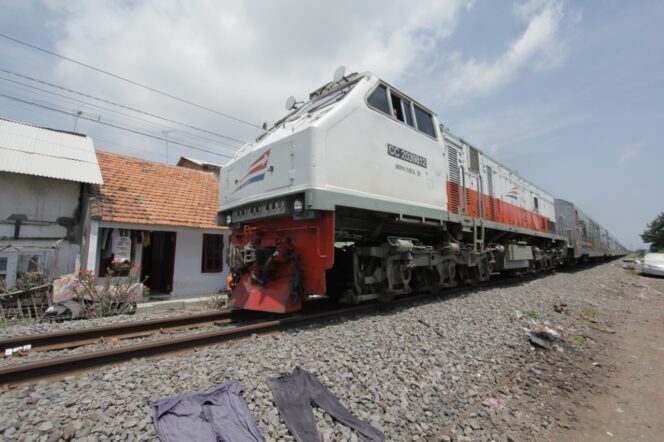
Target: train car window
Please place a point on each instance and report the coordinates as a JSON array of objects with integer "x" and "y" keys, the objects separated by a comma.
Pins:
[
  {"x": 397, "y": 110},
  {"x": 408, "y": 113},
  {"x": 378, "y": 100},
  {"x": 474, "y": 160},
  {"x": 536, "y": 203},
  {"x": 424, "y": 122}
]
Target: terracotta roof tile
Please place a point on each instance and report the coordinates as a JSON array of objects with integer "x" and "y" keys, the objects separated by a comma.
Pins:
[{"x": 142, "y": 192}]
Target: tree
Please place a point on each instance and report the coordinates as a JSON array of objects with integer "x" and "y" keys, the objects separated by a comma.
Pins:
[{"x": 654, "y": 234}]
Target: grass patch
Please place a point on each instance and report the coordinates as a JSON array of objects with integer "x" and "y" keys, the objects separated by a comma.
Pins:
[
  {"x": 589, "y": 311},
  {"x": 533, "y": 314},
  {"x": 4, "y": 322},
  {"x": 581, "y": 341},
  {"x": 217, "y": 301},
  {"x": 632, "y": 271}
]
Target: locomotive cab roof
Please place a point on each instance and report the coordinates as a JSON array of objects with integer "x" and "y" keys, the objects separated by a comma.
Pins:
[{"x": 334, "y": 86}]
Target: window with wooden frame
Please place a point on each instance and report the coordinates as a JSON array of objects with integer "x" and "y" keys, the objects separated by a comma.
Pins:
[{"x": 213, "y": 253}]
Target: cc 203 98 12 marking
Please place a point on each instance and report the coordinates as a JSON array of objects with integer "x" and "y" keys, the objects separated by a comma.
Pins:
[{"x": 405, "y": 155}]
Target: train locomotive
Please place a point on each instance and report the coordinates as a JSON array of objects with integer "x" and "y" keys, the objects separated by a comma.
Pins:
[{"x": 359, "y": 194}]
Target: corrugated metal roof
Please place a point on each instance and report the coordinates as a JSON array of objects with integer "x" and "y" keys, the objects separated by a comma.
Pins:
[{"x": 47, "y": 152}]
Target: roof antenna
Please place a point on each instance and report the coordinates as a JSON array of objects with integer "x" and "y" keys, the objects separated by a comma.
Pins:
[{"x": 339, "y": 74}]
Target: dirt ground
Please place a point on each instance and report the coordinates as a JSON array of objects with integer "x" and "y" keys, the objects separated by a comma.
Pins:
[
  {"x": 631, "y": 406},
  {"x": 602, "y": 379}
]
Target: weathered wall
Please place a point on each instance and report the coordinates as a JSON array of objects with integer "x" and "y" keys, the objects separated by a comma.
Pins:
[
  {"x": 50, "y": 229},
  {"x": 43, "y": 201},
  {"x": 188, "y": 280}
]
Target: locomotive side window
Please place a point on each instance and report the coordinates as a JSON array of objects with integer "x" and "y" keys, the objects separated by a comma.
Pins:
[
  {"x": 401, "y": 109},
  {"x": 397, "y": 108},
  {"x": 536, "y": 203},
  {"x": 408, "y": 113},
  {"x": 424, "y": 122},
  {"x": 378, "y": 100}
]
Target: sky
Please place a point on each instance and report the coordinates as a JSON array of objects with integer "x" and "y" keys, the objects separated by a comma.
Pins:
[{"x": 569, "y": 94}]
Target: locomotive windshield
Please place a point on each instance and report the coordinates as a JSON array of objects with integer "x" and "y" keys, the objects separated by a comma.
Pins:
[{"x": 322, "y": 102}]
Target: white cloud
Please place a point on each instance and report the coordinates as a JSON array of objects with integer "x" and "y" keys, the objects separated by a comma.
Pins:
[
  {"x": 240, "y": 57},
  {"x": 539, "y": 47},
  {"x": 629, "y": 151}
]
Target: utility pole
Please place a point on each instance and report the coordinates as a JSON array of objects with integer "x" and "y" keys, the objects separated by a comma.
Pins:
[
  {"x": 165, "y": 133},
  {"x": 76, "y": 115}
]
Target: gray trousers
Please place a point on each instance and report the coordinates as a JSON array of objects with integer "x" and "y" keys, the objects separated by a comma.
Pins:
[
  {"x": 295, "y": 394},
  {"x": 218, "y": 415}
]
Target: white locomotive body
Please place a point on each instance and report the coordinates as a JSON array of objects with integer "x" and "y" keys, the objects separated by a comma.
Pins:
[{"x": 359, "y": 193}]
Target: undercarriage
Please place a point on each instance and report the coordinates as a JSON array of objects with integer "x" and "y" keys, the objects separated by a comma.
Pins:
[{"x": 355, "y": 256}]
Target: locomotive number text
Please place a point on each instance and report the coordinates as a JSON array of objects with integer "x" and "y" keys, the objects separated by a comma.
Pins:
[{"x": 403, "y": 154}]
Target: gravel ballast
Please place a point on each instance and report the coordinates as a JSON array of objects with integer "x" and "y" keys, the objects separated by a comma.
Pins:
[
  {"x": 411, "y": 372},
  {"x": 34, "y": 327}
]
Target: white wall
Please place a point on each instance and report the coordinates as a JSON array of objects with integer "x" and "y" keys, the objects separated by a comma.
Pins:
[
  {"x": 188, "y": 280},
  {"x": 42, "y": 201},
  {"x": 39, "y": 199}
]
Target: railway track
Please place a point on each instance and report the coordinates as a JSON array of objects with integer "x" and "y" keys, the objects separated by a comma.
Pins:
[
  {"x": 125, "y": 330},
  {"x": 60, "y": 366}
]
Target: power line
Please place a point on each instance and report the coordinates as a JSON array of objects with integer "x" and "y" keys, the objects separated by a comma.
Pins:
[
  {"x": 78, "y": 114},
  {"x": 135, "y": 83},
  {"x": 113, "y": 125},
  {"x": 103, "y": 100},
  {"x": 96, "y": 138},
  {"x": 96, "y": 106}
]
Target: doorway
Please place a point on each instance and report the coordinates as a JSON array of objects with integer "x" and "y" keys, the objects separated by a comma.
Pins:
[{"x": 159, "y": 262}]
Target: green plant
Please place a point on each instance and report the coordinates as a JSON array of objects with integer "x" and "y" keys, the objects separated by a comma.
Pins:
[
  {"x": 116, "y": 295},
  {"x": 10, "y": 322},
  {"x": 589, "y": 311},
  {"x": 581, "y": 341},
  {"x": 533, "y": 314},
  {"x": 217, "y": 301},
  {"x": 654, "y": 234}
]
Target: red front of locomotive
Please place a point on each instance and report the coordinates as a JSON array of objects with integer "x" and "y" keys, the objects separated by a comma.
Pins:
[{"x": 276, "y": 263}]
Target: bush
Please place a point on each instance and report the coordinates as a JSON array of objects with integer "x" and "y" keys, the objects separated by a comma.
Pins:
[{"x": 117, "y": 295}]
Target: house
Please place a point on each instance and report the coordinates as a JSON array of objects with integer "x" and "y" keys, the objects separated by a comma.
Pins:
[
  {"x": 160, "y": 217},
  {"x": 203, "y": 166},
  {"x": 43, "y": 175}
]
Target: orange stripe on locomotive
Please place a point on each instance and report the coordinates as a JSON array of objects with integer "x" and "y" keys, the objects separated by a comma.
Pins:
[{"x": 495, "y": 209}]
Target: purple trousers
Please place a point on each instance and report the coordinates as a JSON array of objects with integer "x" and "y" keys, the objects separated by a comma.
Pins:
[
  {"x": 217, "y": 415},
  {"x": 294, "y": 394}
]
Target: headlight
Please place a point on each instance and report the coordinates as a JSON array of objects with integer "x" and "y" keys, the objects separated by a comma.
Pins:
[
  {"x": 298, "y": 206},
  {"x": 229, "y": 219}
]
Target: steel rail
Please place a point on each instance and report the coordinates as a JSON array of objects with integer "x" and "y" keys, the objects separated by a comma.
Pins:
[
  {"x": 72, "y": 338},
  {"x": 55, "y": 367}
]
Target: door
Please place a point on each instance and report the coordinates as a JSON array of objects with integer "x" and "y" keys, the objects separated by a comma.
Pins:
[{"x": 159, "y": 261}]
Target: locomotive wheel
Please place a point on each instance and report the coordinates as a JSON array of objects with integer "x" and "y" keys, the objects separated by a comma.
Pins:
[{"x": 451, "y": 270}]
